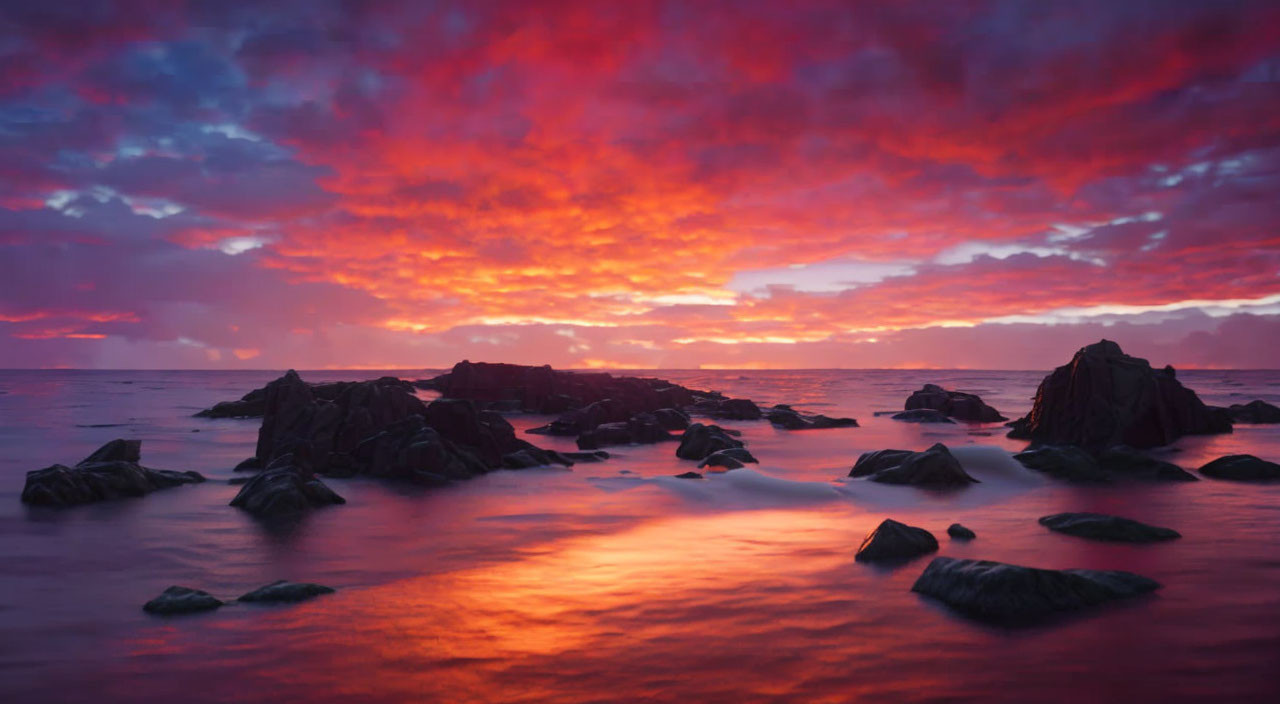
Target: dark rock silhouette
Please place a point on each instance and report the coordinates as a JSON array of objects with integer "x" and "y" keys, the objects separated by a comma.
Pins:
[
  {"x": 282, "y": 591},
  {"x": 700, "y": 441},
  {"x": 1104, "y": 397},
  {"x": 1241, "y": 467},
  {"x": 959, "y": 532},
  {"x": 1065, "y": 462},
  {"x": 689, "y": 475},
  {"x": 1124, "y": 461},
  {"x": 111, "y": 472},
  {"x": 182, "y": 600},
  {"x": 935, "y": 466},
  {"x": 1100, "y": 526},
  {"x": 545, "y": 390},
  {"x": 922, "y": 415},
  {"x": 732, "y": 458},
  {"x": 253, "y": 404},
  {"x": 287, "y": 487},
  {"x": 1254, "y": 412},
  {"x": 893, "y": 541},
  {"x": 956, "y": 404},
  {"x": 640, "y": 429},
  {"x": 1015, "y": 595},
  {"x": 729, "y": 409},
  {"x": 784, "y": 416}
]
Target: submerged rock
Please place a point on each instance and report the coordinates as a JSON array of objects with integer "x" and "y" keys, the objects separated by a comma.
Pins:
[
  {"x": 1123, "y": 461},
  {"x": 1241, "y": 467},
  {"x": 1104, "y": 397},
  {"x": 785, "y": 417},
  {"x": 732, "y": 458},
  {"x": 699, "y": 441},
  {"x": 182, "y": 600},
  {"x": 893, "y": 541},
  {"x": 1100, "y": 526},
  {"x": 286, "y": 487},
  {"x": 283, "y": 591},
  {"x": 1065, "y": 462},
  {"x": 955, "y": 404},
  {"x": 1013, "y": 595},
  {"x": 689, "y": 475},
  {"x": 959, "y": 532},
  {"x": 111, "y": 472},
  {"x": 922, "y": 415},
  {"x": 935, "y": 466},
  {"x": 1254, "y": 412}
]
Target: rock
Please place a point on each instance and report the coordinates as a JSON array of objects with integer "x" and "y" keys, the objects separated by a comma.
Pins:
[
  {"x": 640, "y": 429},
  {"x": 181, "y": 600},
  {"x": 784, "y": 417},
  {"x": 1013, "y": 595},
  {"x": 672, "y": 418},
  {"x": 1065, "y": 462},
  {"x": 589, "y": 456},
  {"x": 1241, "y": 467},
  {"x": 737, "y": 409},
  {"x": 409, "y": 450},
  {"x": 585, "y": 419},
  {"x": 286, "y": 487},
  {"x": 1104, "y": 397},
  {"x": 282, "y": 591},
  {"x": 935, "y": 466},
  {"x": 892, "y": 541},
  {"x": 922, "y": 415},
  {"x": 534, "y": 457},
  {"x": 1254, "y": 412},
  {"x": 1100, "y": 526},
  {"x": 689, "y": 475},
  {"x": 252, "y": 464},
  {"x": 731, "y": 458},
  {"x": 959, "y": 532},
  {"x": 1122, "y": 461},
  {"x": 253, "y": 404},
  {"x": 699, "y": 441},
  {"x": 955, "y": 404},
  {"x": 111, "y": 472}
]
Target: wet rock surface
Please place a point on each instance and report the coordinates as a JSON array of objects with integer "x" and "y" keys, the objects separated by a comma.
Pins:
[
  {"x": 287, "y": 487},
  {"x": 1014, "y": 595},
  {"x": 700, "y": 441},
  {"x": 954, "y": 404},
  {"x": 892, "y": 541},
  {"x": 934, "y": 467},
  {"x": 283, "y": 591},
  {"x": 1254, "y": 412},
  {"x": 784, "y": 416},
  {"x": 922, "y": 415},
  {"x": 111, "y": 472},
  {"x": 182, "y": 600},
  {"x": 1241, "y": 468},
  {"x": 640, "y": 429},
  {"x": 959, "y": 532},
  {"x": 732, "y": 458},
  {"x": 1065, "y": 462},
  {"x": 1122, "y": 461},
  {"x": 1101, "y": 526}
]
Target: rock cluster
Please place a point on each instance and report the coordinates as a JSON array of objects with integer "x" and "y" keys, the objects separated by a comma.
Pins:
[
  {"x": 955, "y": 404},
  {"x": 185, "y": 600},
  {"x": 784, "y": 416},
  {"x": 934, "y": 467},
  {"x": 111, "y": 472},
  {"x": 253, "y": 404}
]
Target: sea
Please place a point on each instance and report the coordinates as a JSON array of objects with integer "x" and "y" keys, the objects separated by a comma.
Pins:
[{"x": 616, "y": 581}]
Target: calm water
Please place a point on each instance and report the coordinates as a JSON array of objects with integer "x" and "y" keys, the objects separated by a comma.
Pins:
[{"x": 614, "y": 581}]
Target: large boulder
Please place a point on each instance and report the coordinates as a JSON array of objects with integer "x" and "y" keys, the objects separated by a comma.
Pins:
[
  {"x": 1101, "y": 526},
  {"x": 287, "y": 487},
  {"x": 1241, "y": 467},
  {"x": 956, "y": 404},
  {"x": 892, "y": 541},
  {"x": 111, "y": 472},
  {"x": 182, "y": 600},
  {"x": 784, "y": 416},
  {"x": 1254, "y": 412},
  {"x": 1065, "y": 462},
  {"x": 1104, "y": 397},
  {"x": 700, "y": 441},
  {"x": 935, "y": 467},
  {"x": 1013, "y": 595}
]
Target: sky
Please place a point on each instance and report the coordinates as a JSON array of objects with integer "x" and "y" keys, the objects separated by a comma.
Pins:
[{"x": 948, "y": 183}]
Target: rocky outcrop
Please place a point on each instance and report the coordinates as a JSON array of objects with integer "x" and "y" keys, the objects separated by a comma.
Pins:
[
  {"x": 1254, "y": 412},
  {"x": 1125, "y": 462},
  {"x": 955, "y": 404},
  {"x": 287, "y": 487},
  {"x": 1015, "y": 595},
  {"x": 922, "y": 415},
  {"x": 935, "y": 467},
  {"x": 784, "y": 416},
  {"x": 640, "y": 429},
  {"x": 1104, "y": 397},
  {"x": 893, "y": 541},
  {"x": 111, "y": 472},
  {"x": 959, "y": 532},
  {"x": 545, "y": 390},
  {"x": 181, "y": 600},
  {"x": 732, "y": 458},
  {"x": 1241, "y": 467},
  {"x": 1065, "y": 462},
  {"x": 1100, "y": 526},
  {"x": 282, "y": 591},
  {"x": 253, "y": 404},
  {"x": 699, "y": 441}
]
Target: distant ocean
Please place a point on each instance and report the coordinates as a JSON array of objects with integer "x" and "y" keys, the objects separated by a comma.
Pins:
[{"x": 616, "y": 581}]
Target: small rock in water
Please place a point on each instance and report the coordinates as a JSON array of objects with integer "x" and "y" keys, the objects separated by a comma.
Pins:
[
  {"x": 700, "y": 441},
  {"x": 689, "y": 475},
  {"x": 732, "y": 458},
  {"x": 1100, "y": 526},
  {"x": 283, "y": 591},
  {"x": 181, "y": 600},
  {"x": 1241, "y": 467},
  {"x": 892, "y": 541},
  {"x": 935, "y": 466},
  {"x": 959, "y": 532},
  {"x": 1017, "y": 595}
]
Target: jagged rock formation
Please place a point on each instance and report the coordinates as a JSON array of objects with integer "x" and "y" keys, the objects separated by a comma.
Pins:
[
  {"x": 935, "y": 466},
  {"x": 287, "y": 487},
  {"x": 253, "y": 404},
  {"x": 111, "y": 472},
  {"x": 1104, "y": 397},
  {"x": 955, "y": 404}
]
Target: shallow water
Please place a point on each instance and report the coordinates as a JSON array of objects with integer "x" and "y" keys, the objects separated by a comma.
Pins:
[{"x": 616, "y": 581}]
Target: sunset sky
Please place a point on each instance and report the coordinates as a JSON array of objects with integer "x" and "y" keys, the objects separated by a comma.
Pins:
[{"x": 596, "y": 184}]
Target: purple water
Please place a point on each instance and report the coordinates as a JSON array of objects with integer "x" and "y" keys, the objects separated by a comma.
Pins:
[{"x": 615, "y": 581}]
